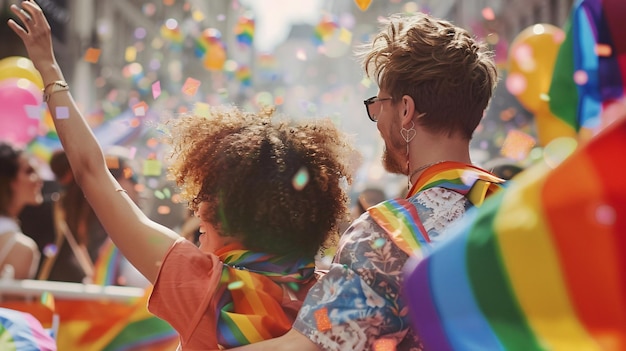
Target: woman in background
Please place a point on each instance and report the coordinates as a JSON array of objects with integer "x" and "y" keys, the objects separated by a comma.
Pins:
[{"x": 20, "y": 185}]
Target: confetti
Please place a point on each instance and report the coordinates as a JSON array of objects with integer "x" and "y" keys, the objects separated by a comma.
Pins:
[
  {"x": 112, "y": 162},
  {"x": 92, "y": 55},
  {"x": 517, "y": 145},
  {"x": 301, "y": 179},
  {"x": 236, "y": 285},
  {"x": 164, "y": 210},
  {"x": 156, "y": 89},
  {"x": 62, "y": 112},
  {"x": 190, "y": 88},
  {"x": 363, "y": 4},
  {"x": 151, "y": 168},
  {"x": 140, "y": 108},
  {"x": 322, "y": 319}
]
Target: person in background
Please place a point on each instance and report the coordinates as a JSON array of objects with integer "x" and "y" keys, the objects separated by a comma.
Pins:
[
  {"x": 267, "y": 193},
  {"x": 367, "y": 198},
  {"x": 435, "y": 82},
  {"x": 82, "y": 247},
  {"x": 20, "y": 185}
]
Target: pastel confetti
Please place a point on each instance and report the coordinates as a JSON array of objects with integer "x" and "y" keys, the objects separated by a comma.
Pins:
[
  {"x": 140, "y": 109},
  {"x": 384, "y": 345},
  {"x": 345, "y": 36},
  {"x": 112, "y": 162},
  {"x": 151, "y": 168},
  {"x": 190, "y": 88},
  {"x": 92, "y": 55},
  {"x": 301, "y": 179},
  {"x": 62, "y": 112},
  {"x": 236, "y": 285},
  {"x": 156, "y": 89}
]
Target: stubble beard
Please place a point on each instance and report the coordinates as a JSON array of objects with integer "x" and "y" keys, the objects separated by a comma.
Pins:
[{"x": 390, "y": 164}]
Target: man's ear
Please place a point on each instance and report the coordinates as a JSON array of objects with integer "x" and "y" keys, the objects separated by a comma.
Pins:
[{"x": 407, "y": 110}]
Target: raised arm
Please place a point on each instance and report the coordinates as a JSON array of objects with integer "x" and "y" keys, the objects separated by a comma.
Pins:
[{"x": 141, "y": 240}]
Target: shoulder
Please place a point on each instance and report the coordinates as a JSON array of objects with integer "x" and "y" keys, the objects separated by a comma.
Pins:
[{"x": 438, "y": 208}]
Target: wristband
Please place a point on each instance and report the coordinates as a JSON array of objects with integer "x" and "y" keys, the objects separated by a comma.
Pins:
[{"x": 54, "y": 87}]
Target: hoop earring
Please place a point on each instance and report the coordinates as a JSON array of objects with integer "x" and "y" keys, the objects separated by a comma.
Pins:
[{"x": 408, "y": 135}]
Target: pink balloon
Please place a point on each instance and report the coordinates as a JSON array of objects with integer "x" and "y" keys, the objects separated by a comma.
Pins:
[{"x": 19, "y": 98}]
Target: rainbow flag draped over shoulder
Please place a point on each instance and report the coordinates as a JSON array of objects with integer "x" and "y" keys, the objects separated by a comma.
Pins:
[
  {"x": 399, "y": 217},
  {"x": 251, "y": 292},
  {"x": 540, "y": 266},
  {"x": 590, "y": 68}
]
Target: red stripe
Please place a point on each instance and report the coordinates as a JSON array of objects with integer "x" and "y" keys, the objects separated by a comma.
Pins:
[{"x": 575, "y": 195}]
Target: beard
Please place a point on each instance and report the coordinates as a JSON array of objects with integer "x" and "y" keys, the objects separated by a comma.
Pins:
[{"x": 392, "y": 165}]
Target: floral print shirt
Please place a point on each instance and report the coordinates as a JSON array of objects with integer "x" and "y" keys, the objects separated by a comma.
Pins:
[{"x": 358, "y": 304}]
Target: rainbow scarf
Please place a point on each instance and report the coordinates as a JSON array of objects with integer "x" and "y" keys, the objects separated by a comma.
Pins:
[
  {"x": 540, "y": 266},
  {"x": 399, "y": 217},
  {"x": 594, "y": 48},
  {"x": 251, "y": 291},
  {"x": 106, "y": 268},
  {"x": 22, "y": 331}
]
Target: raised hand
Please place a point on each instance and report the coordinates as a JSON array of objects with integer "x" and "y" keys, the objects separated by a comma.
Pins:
[{"x": 36, "y": 35}]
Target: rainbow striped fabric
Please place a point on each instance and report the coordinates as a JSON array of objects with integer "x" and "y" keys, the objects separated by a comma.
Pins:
[
  {"x": 399, "y": 217},
  {"x": 21, "y": 331},
  {"x": 590, "y": 68},
  {"x": 540, "y": 266},
  {"x": 249, "y": 307},
  {"x": 106, "y": 268}
]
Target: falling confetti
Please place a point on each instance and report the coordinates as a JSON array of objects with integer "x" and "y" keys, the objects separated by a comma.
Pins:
[
  {"x": 151, "y": 168},
  {"x": 62, "y": 112},
  {"x": 363, "y": 4},
  {"x": 517, "y": 145},
  {"x": 235, "y": 285},
  {"x": 301, "y": 179},
  {"x": 190, "y": 88},
  {"x": 156, "y": 89},
  {"x": 92, "y": 55}
]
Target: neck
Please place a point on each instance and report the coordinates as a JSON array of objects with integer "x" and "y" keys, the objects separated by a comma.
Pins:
[{"x": 434, "y": 149}]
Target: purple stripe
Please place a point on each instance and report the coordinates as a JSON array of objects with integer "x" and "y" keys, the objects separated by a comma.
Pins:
[{"x": 417, "y": 293}]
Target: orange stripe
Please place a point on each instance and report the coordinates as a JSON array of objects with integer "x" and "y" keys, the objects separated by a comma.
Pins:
[{"x": 588, "y": 250}]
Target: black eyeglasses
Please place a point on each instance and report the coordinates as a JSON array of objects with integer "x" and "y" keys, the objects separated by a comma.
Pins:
[{"x": 369, "y": 102}]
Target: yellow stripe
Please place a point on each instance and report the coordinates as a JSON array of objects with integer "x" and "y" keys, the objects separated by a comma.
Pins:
[
  {"x": 534, "y": 270},
  {"x": 248, "y": 329}
]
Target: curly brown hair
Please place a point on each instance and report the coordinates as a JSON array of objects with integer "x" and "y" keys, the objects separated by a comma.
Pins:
[
  {"x": 450, "y": 75},
  {"x": 276, "y": 185}
]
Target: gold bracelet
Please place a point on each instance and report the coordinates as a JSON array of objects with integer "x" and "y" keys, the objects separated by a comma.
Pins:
[{"x": 54, "y": 87}]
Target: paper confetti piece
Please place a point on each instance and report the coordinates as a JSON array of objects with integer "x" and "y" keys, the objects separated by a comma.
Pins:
[
  {"x": 201, "y": 109},
  {"x": 156, "y": 89},
  {"x": 113, "y": 162},
  {"x": 191, "y": 86},
  {"x": 322, "y": 319},
  {"x": 517, "y": 145},
  {"x": 384, "y": 345},
  {"x": 140, "y": 109},
  {"x": 151, "y": 168},
  {"x": 363, "y": 4},
  {"x": 345, "y": 36},
  {"x": 92, "y": 55},
  {"x": 33, "y": 111},
  {"x": 62, "y": 112}
]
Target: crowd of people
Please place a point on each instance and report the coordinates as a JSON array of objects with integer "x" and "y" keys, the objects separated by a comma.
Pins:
[{"x": 266, "y": 193}]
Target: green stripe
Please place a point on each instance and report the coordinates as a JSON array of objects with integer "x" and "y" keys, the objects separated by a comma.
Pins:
[
  {"x": 144, "y": 331},
  {"x": 6, "y": 340},
  {"x": 563, "y": 90},
  {"x": 232, "y": 326},
  {"x": 489, "y": 280}
]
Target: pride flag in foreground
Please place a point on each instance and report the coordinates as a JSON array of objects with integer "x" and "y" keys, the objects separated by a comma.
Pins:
[
  {"x": 540, "y": 266},
  {"x": 21, "y": 331}
]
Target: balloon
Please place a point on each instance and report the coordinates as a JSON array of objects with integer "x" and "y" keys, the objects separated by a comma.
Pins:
[
  {"x": 531, "y": 62},
  {"x": 17, "y": 96},
  {"x": 20, "y": 67},
  {"x": 550, "y": 127}
]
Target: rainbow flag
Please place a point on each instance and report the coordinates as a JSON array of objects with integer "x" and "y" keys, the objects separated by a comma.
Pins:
[
  {"x": 590, "y": 68},
  {"x": 21, "y": 331},
  {"x": 106, "y": 268},
  {"x": 540, "y": 266}
]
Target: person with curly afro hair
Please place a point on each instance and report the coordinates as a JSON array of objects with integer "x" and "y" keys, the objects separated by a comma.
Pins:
[{"x": 268, "y": 192}]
